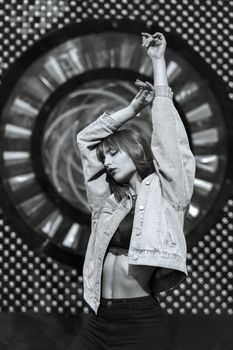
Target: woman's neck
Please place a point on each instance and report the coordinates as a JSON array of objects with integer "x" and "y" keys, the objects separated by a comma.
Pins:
[{"x": 134, "y": 184}]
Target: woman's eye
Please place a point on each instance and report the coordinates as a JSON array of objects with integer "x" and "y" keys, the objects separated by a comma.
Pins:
[{"x": 113, "y": 153}]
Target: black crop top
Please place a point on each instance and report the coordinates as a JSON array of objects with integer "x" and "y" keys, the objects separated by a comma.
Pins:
[{"x": 121, "y": 238}]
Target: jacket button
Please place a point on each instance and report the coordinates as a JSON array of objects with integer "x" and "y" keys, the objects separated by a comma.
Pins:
[
  {"x": 141, "y": 207},
  {"x": 135, "y": 257},
  {"x": 147, "y": 182}
]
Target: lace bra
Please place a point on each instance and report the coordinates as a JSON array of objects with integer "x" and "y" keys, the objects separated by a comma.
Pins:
[{"x": 121, "y": 238}]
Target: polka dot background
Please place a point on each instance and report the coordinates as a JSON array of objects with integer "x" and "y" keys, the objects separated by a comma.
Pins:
[{"x": 29, "y": 282}]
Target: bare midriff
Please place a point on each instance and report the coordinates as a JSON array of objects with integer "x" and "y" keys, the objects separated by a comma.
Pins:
[{"x": 121, "y": 280}]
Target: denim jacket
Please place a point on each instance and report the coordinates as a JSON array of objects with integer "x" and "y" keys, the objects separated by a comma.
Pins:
[{"x": 157, "y": 236}]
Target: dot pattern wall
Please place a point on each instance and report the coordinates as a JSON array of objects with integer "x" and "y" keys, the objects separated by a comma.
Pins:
[
  {"x": 207, "y": 27},
  {"x": 209, "y": 286},
  {"x": 30, "y": 282}
]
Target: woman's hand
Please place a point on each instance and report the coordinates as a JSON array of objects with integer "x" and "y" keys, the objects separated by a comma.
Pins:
[
  {"x": 155, "y": 44},
  {"x": 144, "y": 97}
]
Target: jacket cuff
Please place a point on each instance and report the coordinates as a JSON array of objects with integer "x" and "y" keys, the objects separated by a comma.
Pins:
[
  {"x": 163, "y": 91},
  {"x": 110, "y": 122}
]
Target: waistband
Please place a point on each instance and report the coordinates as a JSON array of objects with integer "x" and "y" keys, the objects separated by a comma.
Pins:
[{"x": 147, "y": 299}]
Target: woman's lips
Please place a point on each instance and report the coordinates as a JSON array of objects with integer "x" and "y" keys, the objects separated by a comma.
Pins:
[{"x": 112, "y": 171}]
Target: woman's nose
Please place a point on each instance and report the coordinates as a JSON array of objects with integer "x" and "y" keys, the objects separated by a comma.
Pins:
[{"x": 107, "y": 160}]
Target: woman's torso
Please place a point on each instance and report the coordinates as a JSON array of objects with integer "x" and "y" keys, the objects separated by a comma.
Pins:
[{"x": 119, "y": 279}]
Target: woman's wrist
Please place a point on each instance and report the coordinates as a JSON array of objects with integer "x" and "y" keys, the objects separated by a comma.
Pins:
[
  {"x": 158, "y": 61},
  {"x": 135, "y": 107},
  {"x": 124, "y": 114},
  {"x": 160, "y": 72}
]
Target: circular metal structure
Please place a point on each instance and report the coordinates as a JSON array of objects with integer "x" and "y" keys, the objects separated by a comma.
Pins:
[{"x": 62, "y": 84}]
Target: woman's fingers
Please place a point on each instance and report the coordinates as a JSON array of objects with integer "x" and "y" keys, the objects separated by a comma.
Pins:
[
  {"x": 149, "y": 99},
  {"x": 140, "y": 84},
  {"x": 157, "y": 35},
  {"x": 146, "y": 91},
  {"x": 160, "y": 37},
  {"x": 144, "y": 37},
  {"x": 139, "y": 81},
  {"x": 145, "y": 96},
  {"x": 144, "y": 85},
  {"x": 141, "y": 93},
  {"x": 150, "y": 85},
  {"x": 155, "y": 39},
  {"x": 151, "y": 42},
  {"x": 145, "y": 34},
  {"x": 148, "y": 41},
  {"x": 142, "y": 89}
]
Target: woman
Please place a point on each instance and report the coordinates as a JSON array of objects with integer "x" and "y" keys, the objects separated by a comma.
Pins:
[{"x": 138, "y": 198}]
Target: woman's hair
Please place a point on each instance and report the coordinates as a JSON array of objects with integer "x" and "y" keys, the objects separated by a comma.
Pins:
[{"x": 131, "y": 142}]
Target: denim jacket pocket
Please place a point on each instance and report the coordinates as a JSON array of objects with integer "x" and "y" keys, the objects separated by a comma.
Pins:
[
  {"x": 170, "y": 240},
  {"x": 106, "y": 211},
  {"x": 173, "y": 228}
]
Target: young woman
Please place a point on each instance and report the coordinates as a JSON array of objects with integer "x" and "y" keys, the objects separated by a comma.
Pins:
[{"x": 138, "y": 197}]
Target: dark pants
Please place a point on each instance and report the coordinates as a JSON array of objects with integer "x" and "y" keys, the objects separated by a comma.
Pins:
[{"x": 125, "y": 324}]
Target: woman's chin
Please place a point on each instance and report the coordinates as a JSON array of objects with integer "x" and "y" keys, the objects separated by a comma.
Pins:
[{"x": 119, "y": 178}]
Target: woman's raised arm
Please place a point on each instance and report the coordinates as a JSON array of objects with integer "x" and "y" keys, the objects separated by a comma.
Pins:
[
  {"x": 174, "y": 161},
  {"x": 88, "y": 139}
]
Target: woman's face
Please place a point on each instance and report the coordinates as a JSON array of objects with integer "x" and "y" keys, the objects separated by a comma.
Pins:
[{"x": 119, "y": 165}]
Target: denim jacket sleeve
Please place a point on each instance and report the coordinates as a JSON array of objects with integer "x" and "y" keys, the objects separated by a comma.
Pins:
[
  {"x": 94, "y": 172},
  {"x": 174, "y": 161}
]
